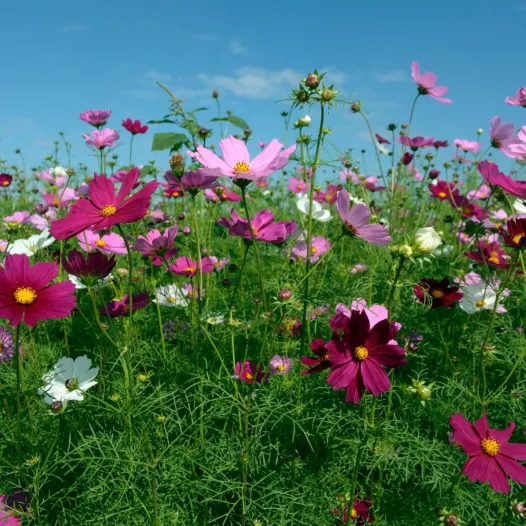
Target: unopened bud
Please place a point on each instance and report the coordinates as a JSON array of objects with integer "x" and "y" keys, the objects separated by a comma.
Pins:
[
  {"x": 57, "y": 406},
  {"x": 215, "y": 94},
  {"x": 356, "y": 106},
  {"x": 284, "y": 294},
  {"x": 312, "y": 80},
  {"x": 328, "y": 94}
]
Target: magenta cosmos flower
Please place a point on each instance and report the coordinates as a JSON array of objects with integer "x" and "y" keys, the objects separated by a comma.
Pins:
[
  {"x": 185, "y": 266},
  {"x": 195, "y": 181},
  {"x": 62, "y": 199},
  {"x": 134, "y": 127},
  {"x": 221, "y": 194},
  {"x": 109, "y": 243},
  {"x": 491, "y": 173},
  {"x": 416, "y": 142},
  {"x": 330, "y": 195},
  {"x": 359, "y": 355},
  {"x": 492, "y": 457},
  {"x": 443, "y": 190},
  {"x": 103, "y": 209},
  {"x": 490, "y": 254},
  {"x": 26, "y": 294},
  {"x": 380, "y": 139},
  {"x": 102, "y": 138},
  {"x": 519, "y": 99},
  {"x": 321, "y": 362},
  {"x": 426, "y": 83},
  {"x": 503, "y": 136},
  {"x": 5, "y": 180},
  {"x": 263, "y": 227},
  {"x": 236, "y": 161},
  {"x": 467, "y": 146},
  {"x": 319, "y": 246},
  {"x": 355, "y": 221},
  {"x": 298, "y": 186},
  {"x": 96, "y": 118},
  {"x": 159, "y": 247},
  {"x": 246, "y": 372},
  {"x": 117, "y": 308}
]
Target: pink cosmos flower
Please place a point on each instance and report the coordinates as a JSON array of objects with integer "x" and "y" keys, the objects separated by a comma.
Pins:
[
  {"x": 280, "y": 364},
  {"x": 298, "y": 186},
  {"x": 355, "y": 221},
  {"x": 41, "y": 222},
  {"x": 102, "y": 138},
  {"x": 134, "y": 127},
  {"x": 519, "y": 99},
  {"x": 426, "y": 83},
  {"x": 221, "y": 194},
  {"x": 467, "y": 146},
  {"x": 17, "y": 219},
  {"x": 330, "y": 195},
  {"x": 483, "y": 192},
  {"x": 502, "y": 136},
  {"x": 519, "y": 149},
  {"x": 109, "y": 243},
  {"x": 440, "y": 144},
  {"x": 491, "y": 173},
  {"x": 55, "y": 179},
  {"x": 27, "y": 295},
  {"x": 358, "y": 268},
  {"x": 62, "y": 198},
  {"x": 119, "y": 176},
  {"x": 263, "y": 227},
  {"x": 319, "y": 246},
  {"x": 96, "y": 118},
  {"x": 359, "y": 355},
  {"x": 416, "y": 142},
  {"x": 308, "y": 171},
  {"x": 262, "y": 183},
  {"x": 103, "y": 209},
  {"x": 380, "y": 139},
  {"x": 368, "y": 181},
  {"x": 220, "y": 264},
  {"x": 490, "y": 254},
  {"x": 469, "y": 209},
  {"x": 321, "y": 362},
  {"x": 236, "y": 159},
  {"x": 247, "y": 373},
  {"x": 117, "y": 308},
  {"x": 7, "y": 517},
  {"x": 491, "y": 456},
  {"x": 184, "y": 266},
  {"x": 159, "y": 247},
  {"x": 194, "y": 181},
  {"x": 375, "y": 313}
]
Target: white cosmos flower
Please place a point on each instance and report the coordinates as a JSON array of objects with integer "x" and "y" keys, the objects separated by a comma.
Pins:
[
  {"x": 520, "y": 206},
  {"x": 216, "y": 319},
  {"x": 32, "y": 245},
  {"x": 305, "y": 121},
  {"x": 382, "y": 149},
  {"x": 318, "y": 212},
  {"x": 427, "y": 239},
  {"x": 59, "y": 171},
  {"x": 79, "y": 285},
  {"x": 171, "y": 296},
  {"x": 477, "y": 297},
  {"x": 68, "y": 380}
]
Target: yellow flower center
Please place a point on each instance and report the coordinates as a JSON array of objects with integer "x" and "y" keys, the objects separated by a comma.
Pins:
[
  {"x": 466, "y": 210},
  {"x": 100, "y": 243},
  {"x": 494, "y": 259},
  {"x": 517, "y": 238},
  {"x": 224, "y": 196},
  {"x": 490, "y": 446},
  {"x": 254, "y": 230},
  {"x": 5, "y": 183},
  {"x": 494, "y": 254},
  {"x": 175, "y": 193},
  {"x": 361, "y": 353},
  {"x": 249, "y": 376},
  {"x": 280, "y": 368},
  {"x": 13, "y": 224},
  {"x": 190, "y": 269},
  {"x": 442, "y": 195},
  {"x": 354, "y": 513},
  {"x": 437, "y": 294},
  {"x": 242, "y": 167},
  {"x": 170, "y": 299},
  {"x": 480, "y": 304},
  {"x": 56, "y": 202},
  {"x": 108, "y": 210},
  {"x": 314, "y": 250},
  {"x": 25, "y": 295}
]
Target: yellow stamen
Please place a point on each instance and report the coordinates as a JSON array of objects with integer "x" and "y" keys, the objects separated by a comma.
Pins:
[
  {"x": 443, "y": 195},
  {"x": 354, "y": 513},
  {"x": 175, "y": 193},
  {"x": 5, "y": 183},
  {"x": 517, "y": 238},
  {"x": 254, "y": 230},
  {"x": 242, "y": 167},
  {"x": 25, "y": 295},
  {"x": 100, "y": 243},
  {"x": 108, "y": 210},
  {"x": 314, "y": 250},
  {"x": 361, "y": 353},
  {"x": 190, "y": 269},
  {"x": 56, "y": 202},
  {"x": 490, "y": 446},
  {"x": 249, "y": 376},
  {"x": 480, "y": 304},
  {"x": 280, "y": 368},
  {"x": 170, "y": 299},
  {"x": 494, "y": 259},
  {"x": 437, "y": 294}
]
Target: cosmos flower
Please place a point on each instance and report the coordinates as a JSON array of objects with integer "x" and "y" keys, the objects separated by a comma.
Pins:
[
  {"x": 280, "y": 364},
  {"x": 491, "y": 173},
  {"x": 427, "y": 239},
  {"x": 108, "y": 243},
  {"x": 515, "y": 235},
  {"x": 171, "y": 296},
  {"x": 17, "y": 219},
  {"x": 503, "y": 136},
  {"x": 426, "y": 83},
  {"x": 68, "y": 380},
  {"x": 195, "y": 181},
  {"x": 356, "y": 221},
  {"x": 298, "y": 186},
  {"x": 359, "y": 355},
  {"x": 5, "y": 180},
  {"x": 321, "y": 362},
  {"x": 62, "y": 199},
  {"x": 329, "y": 196},
  {"x": 96, "y": 118},
  {"x": 491, "y": 456},
  {"x": 159, "y": 247},
  {"x": 318, "y": 212},
  {"x": 440, "y": 144},
  {"x": 360, "y": 514},
  {"x": 134, "y": 127},
  {"x": 441, "y": 293},
  {"x": 477, "y": 297},
  {"x": 117, "y": 308},
  {"x": 102, "y": 138},
  {"x": 90, "y": 268},
  {"x": 358, "y": 268},
  {"x": 247, "y": 373},
  {"x": 27, "y": 295},
  {"x": 483, "y": 192},
  {"x": 103, "y": 209},
  {"x": 56, "y": 176},
  {"x": 7, "y": 347},
  {"x": 519, "y": 99},
  {"x": 31, "y": 245},
  {"x": 319, "y": 246},
  {"x": 236, "y": 159},
  {"x": 490, "y": 254},
  {"x": 416, "y": 142},
  {"x": 221, "y": 194},
  {"x": 467, "y": 146},
  {"x": 380, "y": 139},
  {"x": 184, "y": 266}
]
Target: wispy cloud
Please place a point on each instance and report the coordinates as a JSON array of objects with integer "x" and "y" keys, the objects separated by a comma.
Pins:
[
  {"x": 75, "y": 28},
  {"x": 236, "y": 48},
  {"x": 394, "y": 75}
]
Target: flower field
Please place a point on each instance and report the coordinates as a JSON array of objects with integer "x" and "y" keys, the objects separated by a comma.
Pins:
[{"x": 264, "y": 334}]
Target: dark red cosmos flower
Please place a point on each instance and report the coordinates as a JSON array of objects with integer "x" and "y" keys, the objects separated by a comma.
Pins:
[
  {"x": 380, "y": 139},
  {"x": 491, "y": 456},
  {"x": 443, "y": 190},
  {"x": 442, "y": 293},
  {"x": 491, "y": 173},
  {"x": 89, "y": 269},
  {"x": 5, "y": 180},
  {"x": 469, "y": 208},
  {"x": 134, "y": 127},
  {"x": 321, "y": 362},
  {"x": 415, "y": 142},
  {"x": 515, "y": 236},
  {"x": 358, "y": 357},
  {"x": 26, "y": 293},
  {"x": 433, "y": 174},
  {"x": 407, "y": 158},
  {"x": 116, "y": 308},
  {"x": 103, "y": 209},
  {"x": 440, "y": 144},
  {"x": 360, "y": 513},
  {"x": 490, "y": 253}
]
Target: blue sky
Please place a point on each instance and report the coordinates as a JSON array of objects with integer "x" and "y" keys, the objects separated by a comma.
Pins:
[{"x": 60, "y": 57}]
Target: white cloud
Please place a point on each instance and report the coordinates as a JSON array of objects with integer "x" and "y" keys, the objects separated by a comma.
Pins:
[
  {"x": 75, "y": 28},
  {"x": 394, "y": 75},
  {"x": 155, "y": 76},
  {"x": 236, "y": 48}
]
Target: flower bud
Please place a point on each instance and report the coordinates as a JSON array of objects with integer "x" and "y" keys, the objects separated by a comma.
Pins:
[
  {"x": 57, "y": 407},
  {"x": 142, "y": 377},
  {"x": 247, "y": 132},
  {"x": 518, "y": 507},
  {"x": 391, "y": 127},
  {"x": 312, "y": 80},
  {"x": 407, "y": 158},
  {"x": 429, "y": 156},
  {"x": 405, "y": 250},
  {"x": 328, "y": 94},
  {"x": 480, "y": 131},
  {"x": 305, "y": 121},
  {"x": 433, "y": 174},
  {"x": 451, "y": 520},
  {"x": 356, "y": 106},
  {"x": 115, "y": 397},
  {"x": 284, "y": 294},
  {"x": 181, "y": 217}
]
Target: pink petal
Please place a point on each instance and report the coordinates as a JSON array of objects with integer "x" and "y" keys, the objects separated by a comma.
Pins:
[
  {"x": 502, "y": 436},
  {"x": 40, "y": 274},
  {"x": 358, "y": 216},
  {"x": 481, "y": 426},
  {"x": 375, "y": 378},
  {"x": 55, "y": 301},
  {"x": 388, "y": 355},
  {"x": 514, "y": 469},
  {"x": 136, "y": 207},
  {"x": 101, "y": 191},
  {"x": 83, "y": 214},
  {"x": 127, "y": 185},
  {"x": 268, "y": 156},
  {"x": 374, "y": 234},
  {"x": 465, "y": 435},
  {"x": 516, "y": 451},
  {"x": 13, "y": 313},
  {"x": 234, "y": 151},
  {"x": 427, "y": 80}
]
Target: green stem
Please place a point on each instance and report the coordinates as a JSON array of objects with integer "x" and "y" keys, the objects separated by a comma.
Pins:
[
  {"x": 393, "y": 286},
  {"x": 18, "y": 395},
  {"x": 159, "y": 317},
  {"x": 131, "y": 148},
  {"x": 375, "y": 147},
  {"x": 357, "y": 462}
]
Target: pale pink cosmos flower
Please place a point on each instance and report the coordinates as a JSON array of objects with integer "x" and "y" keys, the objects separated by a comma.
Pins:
[
  {"x": 368, "y": 181},
  {"x": 56, "y": 176},
  {"x": 481, "y": 193},
  {"x": 102, "y": 138},
  {"x": 467, "y": 146},
  {"x": 17, "y": 219},
  {"x": 96, "y": 118},
  {"x": 280, "y": 364},
  {"x": 61, "y": 199},
  {"x": 519, "y": 99},
  {"x": 298, "y": 186},
  {"x": 427, "y": 84},
  {"x": 503, "y": 137},
  {"x": 519, "y": 149},
  {"x": 41, "y": 222},
  {"x": 319, "y": 246},
  {"x": 236, "y": 161},
  {"x": 220, "y": 264},
  {"x": 109, "y": 243},
  {"x": 356, "y": 221},
  {"x": 358, "y": 268}
]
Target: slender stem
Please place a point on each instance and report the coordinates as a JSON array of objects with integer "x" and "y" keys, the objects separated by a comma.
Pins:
[
  {"x": 159, "y": 317},
  {"x": 198, "y": 246},
  {"x": 18, "y": 395},
  {"x": 239, "y": 278},
  {"x": 97, "y": 318},
  {"x": 245, "y": 461},
  {"x": 131, "y": 148},
  {"x": 393, "y": 286},
  {"x": 219, "y": 117},
  {"x": 375, "y": 147},
  {"x": 130, "y": 272}
]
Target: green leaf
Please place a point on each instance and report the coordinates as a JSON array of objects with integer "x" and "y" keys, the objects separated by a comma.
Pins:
[
  {"x": 162, "y": 121},
  {"x": 191, "y": 126},
  {"x": 238, "y": 122},
  {"x": 163, "y": 141}
]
